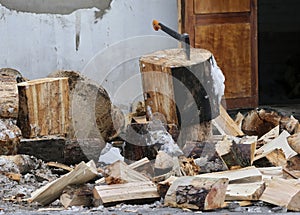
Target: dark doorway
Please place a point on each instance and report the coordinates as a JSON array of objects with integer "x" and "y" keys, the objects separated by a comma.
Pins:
[{"x": 279, "y": 51}]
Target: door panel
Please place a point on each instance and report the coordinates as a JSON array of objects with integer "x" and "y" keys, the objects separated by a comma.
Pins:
[
  {"x": 221, "y": 6},
  {"x": 227, "y": 28},
  {"x": 234, "y": 57}
]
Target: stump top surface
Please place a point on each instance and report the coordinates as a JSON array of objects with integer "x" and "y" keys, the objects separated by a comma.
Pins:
[{"x": 176, "y": 57}]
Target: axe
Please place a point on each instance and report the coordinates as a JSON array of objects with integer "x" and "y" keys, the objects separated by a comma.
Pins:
[{"x": 183, "y": 38}]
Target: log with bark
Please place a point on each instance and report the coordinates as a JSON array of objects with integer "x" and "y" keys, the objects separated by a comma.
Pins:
[
  {"x": 197, "y": 193},
  {"x": 9, "y": 98},
  {"x": 91, "y": 109},
  {"x": 184, "y": 92}
]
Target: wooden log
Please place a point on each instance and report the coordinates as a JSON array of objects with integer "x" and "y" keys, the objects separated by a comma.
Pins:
[
  {"x": 82, "y": 173},
  {"x": 239, "y": 120},
  {"x": 226, "y": 125},
  {"x": 278, "y": 143},
  {"x": 284, "y": 193},
  {"x": 10, "y": 135},
  {"x": 245, "y": 191},
  {"x": 120, "y": 173},
  {"x": 77, "y": 195},
  {"x": 44, "y": 107},
  {"x": 244, "y": 175},
  {"x": 259, "y": 122},
  {"x": 197, "y": 193},
  {"x": 89, "y": 102},
  {"x": 271, "y": 172},
  {"x": 290, "y": 124},
  {"x": 117, "y": 193},
  {"x": 183, "y": 91},
  {"x": 9, "y": 98}
]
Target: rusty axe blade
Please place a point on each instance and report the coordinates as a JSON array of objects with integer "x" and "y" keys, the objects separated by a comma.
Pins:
[{"x": 183, "y": 38}]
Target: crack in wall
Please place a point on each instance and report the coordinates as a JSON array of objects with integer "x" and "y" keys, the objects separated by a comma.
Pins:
[{"x": 57, "y": 6}]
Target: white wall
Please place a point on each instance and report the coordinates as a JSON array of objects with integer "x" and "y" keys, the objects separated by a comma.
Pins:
[{"x": 107, "y": 48}]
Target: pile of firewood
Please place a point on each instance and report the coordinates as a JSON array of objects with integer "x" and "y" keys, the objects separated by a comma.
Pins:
[{"x": 252, "y": 158}]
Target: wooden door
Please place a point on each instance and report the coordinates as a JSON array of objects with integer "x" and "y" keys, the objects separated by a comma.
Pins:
[{"x": 227, "y": 28}]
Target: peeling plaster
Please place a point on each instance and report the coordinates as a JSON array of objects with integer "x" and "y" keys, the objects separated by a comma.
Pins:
[{"x": 57, "y": 6}]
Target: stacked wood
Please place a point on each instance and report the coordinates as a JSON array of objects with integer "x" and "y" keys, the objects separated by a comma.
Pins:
[
  {"x": 82, "y": 173},
  {"x": 44, "y": 107},
  {"x": 89, "y": 103},
  {"x": 197, "y": 193},
  {"x": 116, "y": 193},
  {"x": 284, "y": 193}
]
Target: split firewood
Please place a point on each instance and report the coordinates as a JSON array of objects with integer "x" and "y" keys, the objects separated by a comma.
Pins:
[
  {"x": 188, "y": 166},
  {"x": 197, "y": 193},
  {"x": 271, "y": 172},
  {"x": 272, "y": 158},
  {"x": 204, "y": 155},
  {"x": 245, "y": 191},
  {"x": 120, "y": 173},
  {"x": 237, "y": 154},
  {"x": 77, "y": 195},
  {"x": 44, "y": 107},
  {"x": 143, "y": 166},
  {"x": 226, "y": 125},
  {"x": 133, "y": 191},
  {"x": 294, "y": 163},
  {"x": 259, "y": 122},
  {"x": 82, "y": 173},
  {"x": 60, "y": 165},
  {"x": 9, "y": 98},
  {"x": 294, "y": 142},
  {"x": 278, "y": 143},
  {"x": 284, "y": 193},
  {"x": 244, "y": 175},
  {"x": 163, "y": 163},
  {"x": 239, "y": 120},
  {"x": 268, "y": 137}
]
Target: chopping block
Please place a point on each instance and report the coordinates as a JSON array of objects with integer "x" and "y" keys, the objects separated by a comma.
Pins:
[{"x": 181, "y": 91}]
